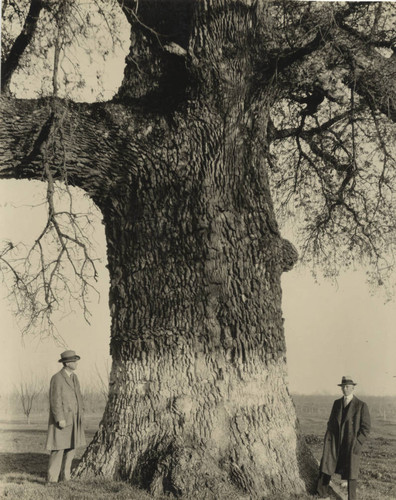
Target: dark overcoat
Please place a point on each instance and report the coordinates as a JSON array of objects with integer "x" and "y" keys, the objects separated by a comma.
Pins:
[
  {"x": 344, "y": 438},
  {"x": 65, "y": 404}
]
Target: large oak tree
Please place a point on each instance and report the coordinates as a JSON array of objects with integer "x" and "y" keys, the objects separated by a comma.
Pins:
[{"x": 226, "y": 107}]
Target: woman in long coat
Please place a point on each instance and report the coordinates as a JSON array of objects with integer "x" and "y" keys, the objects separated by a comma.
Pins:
[
  {"x": 65, "y": 426},
  {"x": 347, "y": 429}
]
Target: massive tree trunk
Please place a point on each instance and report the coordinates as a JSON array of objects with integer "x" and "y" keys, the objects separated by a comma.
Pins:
[
  {"x": 198, "y": 392},
  {"x": 198, "y": 404}
]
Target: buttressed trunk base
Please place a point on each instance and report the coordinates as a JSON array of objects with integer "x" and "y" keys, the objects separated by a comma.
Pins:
[{"x": 190, "y": 424}]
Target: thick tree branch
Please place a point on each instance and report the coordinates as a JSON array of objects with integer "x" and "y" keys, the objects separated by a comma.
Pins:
[
  {"x": 156, "y": 64},
  {"x": 20, "y": 44},
  {"x": 282, "y": 61},
  {"x": 88, "y": 142},
  {"x": 372, "y": 76}
]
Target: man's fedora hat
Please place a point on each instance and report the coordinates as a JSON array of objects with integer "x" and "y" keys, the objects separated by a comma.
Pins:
[
  {"x": 347, "y": 380},
  {"x": 68, "y": 356}
]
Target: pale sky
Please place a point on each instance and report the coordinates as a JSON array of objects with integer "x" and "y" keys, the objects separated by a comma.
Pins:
[
  {"x": 29, "y": 355},
  {"x": 330, "y": 331},
  {"x": 333, "y": 331}
]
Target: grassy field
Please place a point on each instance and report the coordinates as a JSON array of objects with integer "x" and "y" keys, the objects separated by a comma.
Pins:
[
  {"x": 23, "y": 466},
  {"x": 23, "y": 461}
]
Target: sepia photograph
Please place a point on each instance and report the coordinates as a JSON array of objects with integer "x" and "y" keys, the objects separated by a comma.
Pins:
[{"x": 198, "y": 250}]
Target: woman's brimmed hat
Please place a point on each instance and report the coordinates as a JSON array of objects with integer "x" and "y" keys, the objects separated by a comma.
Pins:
[
  {"x": 68, "y": 356},
  {"x": 347, "y": 380}
]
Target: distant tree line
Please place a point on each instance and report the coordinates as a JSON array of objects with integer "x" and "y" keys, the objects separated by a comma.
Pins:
[
  {"x": 11, "y": 405},
  {"x": 35, "y": 404},
  {"x": 383, "y": 407},
  {"x": 30, "y": 394}
]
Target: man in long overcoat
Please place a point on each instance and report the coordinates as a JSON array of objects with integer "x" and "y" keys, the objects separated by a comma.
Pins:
[
  {"x": 65, "y": 428},
  {"x": 347, "y": 429}
]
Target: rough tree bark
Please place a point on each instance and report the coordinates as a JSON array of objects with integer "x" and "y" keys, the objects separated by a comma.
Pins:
[
  {"x": 198, "y": 403},
  {"x": 198, "y": 391}
]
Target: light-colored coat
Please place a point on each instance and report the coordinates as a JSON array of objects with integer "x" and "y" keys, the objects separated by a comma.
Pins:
[
  {"x": 65, "y": 404},
  {"x": 352, "y": 433}
]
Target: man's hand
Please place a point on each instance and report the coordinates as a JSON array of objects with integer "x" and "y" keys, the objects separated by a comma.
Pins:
[{"x": 62, "y": 424}]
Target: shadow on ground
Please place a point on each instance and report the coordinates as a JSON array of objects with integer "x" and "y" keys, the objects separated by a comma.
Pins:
[
  {"x": 29, "y": 463},
  {"x": 24, "y": 431},
  {"x": 34, "y": 464}
]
